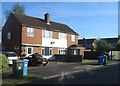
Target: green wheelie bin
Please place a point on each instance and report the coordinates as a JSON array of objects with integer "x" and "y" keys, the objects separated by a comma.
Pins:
[{"x": 18, "y": 68}]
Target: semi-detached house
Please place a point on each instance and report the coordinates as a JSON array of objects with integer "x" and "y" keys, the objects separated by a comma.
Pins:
[{"x": 28, "y": 35}]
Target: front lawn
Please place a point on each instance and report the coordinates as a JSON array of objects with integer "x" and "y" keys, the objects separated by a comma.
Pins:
[
  {"x": 87, "y": 61},
  {"x": 19, "y": 80}
]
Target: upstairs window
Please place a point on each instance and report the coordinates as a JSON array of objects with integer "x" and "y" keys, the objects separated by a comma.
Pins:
[
  {"x": 30, "y": 31},
  {"x": 46, "y": 34},
  {"x": 73, "y": 38},
  {"x": 8, "y": 35},
  {"x": 62, "y": 36}
]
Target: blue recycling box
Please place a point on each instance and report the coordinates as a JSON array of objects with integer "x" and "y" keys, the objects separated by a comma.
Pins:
[
  {"x": 25, "y": 67},
  {"x": 101, "y": 60},
  {"x": 111, "y": 57}
]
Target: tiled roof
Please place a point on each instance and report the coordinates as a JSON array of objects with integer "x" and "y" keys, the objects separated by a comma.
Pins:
[
  {"x": 40, "y": 23},
  {"x": 111, "y": 40},
  {"x": 85, "y": 41}
]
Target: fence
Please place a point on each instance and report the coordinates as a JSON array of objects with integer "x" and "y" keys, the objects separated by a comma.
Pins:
[
  {"x": 68, "y": 58},
  {"x": 117, "y": 54},
  {"x": 93, "y": 55}
]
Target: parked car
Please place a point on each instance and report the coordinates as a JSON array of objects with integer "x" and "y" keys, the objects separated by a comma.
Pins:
[
  {"x": 11, "y": 56},
  {"x": 52, "y": 58},
  {"x": 36, "y": 59}
]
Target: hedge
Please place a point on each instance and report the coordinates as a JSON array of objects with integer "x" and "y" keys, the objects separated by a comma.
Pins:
[
  {"x": 68, "y": 58},
  {"x": 3, "y": 62}
]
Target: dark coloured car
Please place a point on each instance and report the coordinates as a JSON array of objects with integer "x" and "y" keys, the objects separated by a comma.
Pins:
[
  {"x": 53, "y": 58},
  {"x": 36, "y": 59}
]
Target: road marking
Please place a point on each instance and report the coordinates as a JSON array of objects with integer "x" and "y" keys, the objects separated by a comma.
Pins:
[
  {"x": 63, "y": 74},
  {"x": 51, "y": 76}
]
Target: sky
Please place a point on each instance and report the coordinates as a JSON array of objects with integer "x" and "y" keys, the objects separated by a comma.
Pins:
[{"x": 88, "y": 19}]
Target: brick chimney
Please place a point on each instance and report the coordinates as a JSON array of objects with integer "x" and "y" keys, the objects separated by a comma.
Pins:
[{"x": 47, "y": 18}]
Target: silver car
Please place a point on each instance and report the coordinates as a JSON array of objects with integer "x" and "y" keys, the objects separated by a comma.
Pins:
[{"x": 11, "y": 56}]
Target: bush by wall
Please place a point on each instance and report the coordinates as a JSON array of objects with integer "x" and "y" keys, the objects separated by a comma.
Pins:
[{"x": 3, "y": 62}]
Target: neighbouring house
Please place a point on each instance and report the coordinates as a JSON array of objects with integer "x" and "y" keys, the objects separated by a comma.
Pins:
[
  {"x": 27, "y": 35},
  {"x": 112, "y": 41},
  {"x": 89, "y": 44}
]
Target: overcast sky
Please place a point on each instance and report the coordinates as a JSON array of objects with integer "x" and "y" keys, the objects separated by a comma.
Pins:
[{"x": 88, "y": 19}]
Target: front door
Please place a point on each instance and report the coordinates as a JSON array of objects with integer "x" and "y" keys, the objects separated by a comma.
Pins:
[{"x": 29, "y": 51}]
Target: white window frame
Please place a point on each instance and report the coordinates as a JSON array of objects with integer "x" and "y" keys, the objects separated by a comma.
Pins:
[
  {"x": 32, "y": 50},
  {"x": 30, "y": 31},
  {"x": 73, "y": 38},
  {"x": 62, "y": 36},
  {"x": 9, "y": 35},
  {"x": 50, "y": 49},
  {"x": 46, "y": 34},
  {"x": 62, "y": 51},
  {"x": 43, "y": 50}
]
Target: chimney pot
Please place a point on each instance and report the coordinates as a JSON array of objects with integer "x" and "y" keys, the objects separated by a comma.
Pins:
[{"x": 47, "y": 18}]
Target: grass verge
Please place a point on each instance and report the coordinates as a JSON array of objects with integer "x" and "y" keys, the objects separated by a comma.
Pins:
[
  {"x": 10, "y": 80},
  {"x": 87, "y": 61}
]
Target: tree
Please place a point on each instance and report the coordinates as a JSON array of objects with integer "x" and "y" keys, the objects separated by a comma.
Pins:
[
  {"x": 103, "y": 46},
  {"x": 17, "y": 8},
  {"x": 118, "y": 47}
]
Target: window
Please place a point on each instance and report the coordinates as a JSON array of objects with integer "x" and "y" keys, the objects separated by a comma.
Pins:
[
  {"x": 8, "y": 35},
  {"x": 43, "y": 51},
  {"x": 62, "y": 36},
  {"x": 29, "y": 51},
  {"x": 46, "y": 34},
  {"x": 73, "y": 38},
  {"x": 50, "y": 51},
  {"x": 30, "y": 31},
  {"x": 62, "y": 50},
  {"x": 46, "y": 51}
]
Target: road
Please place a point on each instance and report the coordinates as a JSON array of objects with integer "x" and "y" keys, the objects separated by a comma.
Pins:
[{"x": 100, "y": 75}]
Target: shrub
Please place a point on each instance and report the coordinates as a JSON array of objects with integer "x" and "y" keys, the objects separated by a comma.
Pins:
[
  {"x": 103, "y": 46},
  {"x": 3, "y": 62}
]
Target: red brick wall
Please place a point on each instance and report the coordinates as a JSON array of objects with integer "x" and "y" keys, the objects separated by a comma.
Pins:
[
  {"x": 12, "y": 26},
  {"x": 37, "y": 50},
  {"x": 55, "y": 50},
  {"x": 36, "y": 39},
  {"x": 70, "y": 42},
  {"x": 55, "y": 35}
]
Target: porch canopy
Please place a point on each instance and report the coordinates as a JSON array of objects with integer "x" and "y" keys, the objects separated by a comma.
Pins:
[{"x": 74, "y": 49}]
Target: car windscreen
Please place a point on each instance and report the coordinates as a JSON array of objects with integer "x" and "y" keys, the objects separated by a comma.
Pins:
[
  {"x": 10, "y": 54},
  {"x": 38, "y": 56}
]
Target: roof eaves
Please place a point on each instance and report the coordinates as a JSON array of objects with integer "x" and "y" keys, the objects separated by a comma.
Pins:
[{"x": 47, "y": 29}]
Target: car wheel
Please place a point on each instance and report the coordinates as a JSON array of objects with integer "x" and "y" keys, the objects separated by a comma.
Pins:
[{"x": 44, "y": 64}]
